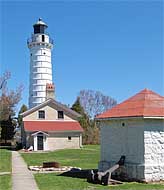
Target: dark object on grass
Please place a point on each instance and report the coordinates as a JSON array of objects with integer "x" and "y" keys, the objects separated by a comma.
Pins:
[
  {"x": 104, "y": 178},
  {"x": 51, "y": 164}
]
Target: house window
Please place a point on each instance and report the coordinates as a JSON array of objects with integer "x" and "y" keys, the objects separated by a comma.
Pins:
[
  {"x": 41, "y": 114},
  {"x": 69, "y": 138},
  {"x": 60, "y": 115}
]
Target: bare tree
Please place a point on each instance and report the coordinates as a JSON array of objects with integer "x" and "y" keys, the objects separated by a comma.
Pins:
[
  {"x": 8, "y": 101},
  {"x": 94, "y": 102},
  {"x": 8, "y": 98},
  {"x": 3, "y": 79}
]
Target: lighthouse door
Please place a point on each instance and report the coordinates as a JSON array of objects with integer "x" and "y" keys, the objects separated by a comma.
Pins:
[{"x": 40, "y": 142}]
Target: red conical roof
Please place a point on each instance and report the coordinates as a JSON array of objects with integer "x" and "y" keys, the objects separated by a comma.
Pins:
[{"x": 144, "y": 104}]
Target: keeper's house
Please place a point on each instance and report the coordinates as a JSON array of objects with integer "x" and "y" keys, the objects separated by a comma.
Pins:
[
  {"x": 134, "y": 128},
  {"x": 50, "y": 126}
]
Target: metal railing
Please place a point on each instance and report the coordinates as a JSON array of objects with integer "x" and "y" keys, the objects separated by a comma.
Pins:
[{"x": 31, "y": 40}]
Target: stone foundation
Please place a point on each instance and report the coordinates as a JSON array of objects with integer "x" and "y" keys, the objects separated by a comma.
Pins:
[
  {"x": 154, "y": 172},
  {"x": 154, "y": 155}
]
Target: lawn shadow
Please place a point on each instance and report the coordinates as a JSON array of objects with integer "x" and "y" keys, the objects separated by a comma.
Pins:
[
  {"x": 77, "y": 173},
  {"x": 83, "y": 174}
]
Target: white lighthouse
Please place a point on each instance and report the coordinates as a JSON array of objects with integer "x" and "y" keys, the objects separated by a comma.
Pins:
[{"x": 40, "y": 45}]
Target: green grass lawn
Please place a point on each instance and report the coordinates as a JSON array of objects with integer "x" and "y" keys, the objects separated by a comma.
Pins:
[
  {"x": 5, "y": 182},
  {"x": 86, "y": 158},
  {"x": 5, "y": 166},
  {"x": 55, "y": 182},
  {"x": 5, "y": 160}
]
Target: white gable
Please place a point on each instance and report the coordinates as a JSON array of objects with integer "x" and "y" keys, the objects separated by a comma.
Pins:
[{"x": 51, "y": 113}]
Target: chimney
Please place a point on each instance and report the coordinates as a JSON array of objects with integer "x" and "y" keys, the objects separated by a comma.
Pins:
[{"x": 50, "y": 91}]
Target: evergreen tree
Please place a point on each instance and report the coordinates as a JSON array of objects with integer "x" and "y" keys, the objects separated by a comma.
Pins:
[
  {"x": 84, "y": 119},
  {"x": 91, "y": 132},
  {"x": 77, "y": 107},
  {"x": 7, "y": 129},
  {"x": 22, "y": 109}
]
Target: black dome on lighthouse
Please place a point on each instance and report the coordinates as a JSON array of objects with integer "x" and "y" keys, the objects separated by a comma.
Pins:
[{"x": 40, "y": 27}]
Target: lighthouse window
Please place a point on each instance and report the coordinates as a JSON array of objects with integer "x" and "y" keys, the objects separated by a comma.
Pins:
[{"x": 43, "y": 38}]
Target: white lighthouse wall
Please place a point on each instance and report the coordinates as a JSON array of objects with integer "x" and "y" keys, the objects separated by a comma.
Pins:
[{"x": 40, "y": 68}]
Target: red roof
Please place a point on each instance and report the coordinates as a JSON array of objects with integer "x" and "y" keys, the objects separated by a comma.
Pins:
[
  {"x": 144, "y": 104},
  {"x": 52, "y": 126}
]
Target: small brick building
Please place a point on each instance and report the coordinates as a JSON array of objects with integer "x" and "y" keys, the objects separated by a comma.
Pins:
[{"x": 134, "y": 128}]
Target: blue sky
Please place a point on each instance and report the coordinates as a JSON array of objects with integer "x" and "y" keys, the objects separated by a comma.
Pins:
[{"x": 115, "y": 47}]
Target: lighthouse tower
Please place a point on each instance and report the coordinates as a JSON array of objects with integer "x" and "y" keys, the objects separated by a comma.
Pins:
[{"x": 40, "y": 45}]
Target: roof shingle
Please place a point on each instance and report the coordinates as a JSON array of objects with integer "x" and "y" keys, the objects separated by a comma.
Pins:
[
  {"x": 144, "y": 104},
  {"x": 52, "y": 126}
]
